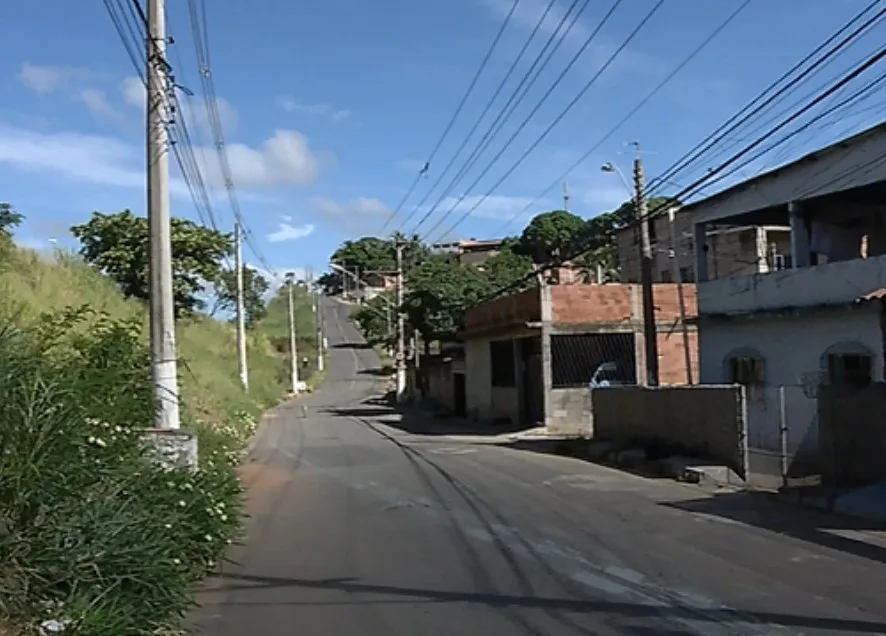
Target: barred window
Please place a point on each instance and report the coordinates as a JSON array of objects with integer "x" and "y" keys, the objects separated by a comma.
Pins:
[
  {"x": 501, "y": 354},
  {"x": 575, "y": 357}
]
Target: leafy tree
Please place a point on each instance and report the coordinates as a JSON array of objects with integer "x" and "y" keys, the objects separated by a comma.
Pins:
[
  {"x": 117, "y": 244},
  {"x": 9, "y": 219},
  {"x": 506, "y": 269},
  {"x": 440, "y": 290},
  {"x": 549, "y": 235},
  {"x": 376, "y": 317},
  {"x": 255, "y": 286}
]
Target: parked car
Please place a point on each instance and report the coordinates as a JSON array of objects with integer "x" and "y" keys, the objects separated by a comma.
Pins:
[{"x": 610, "y": 374}]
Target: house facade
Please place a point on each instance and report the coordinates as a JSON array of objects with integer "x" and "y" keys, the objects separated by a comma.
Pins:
[
  {"x": 470, "y": 251},
  {"x": 731, "y": 251},
  {"x": 529, "y": 357},
  {"x": 783, "y": 334}
]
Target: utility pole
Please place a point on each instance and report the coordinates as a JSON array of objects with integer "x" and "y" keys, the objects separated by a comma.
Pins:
[
  {"x": 162, "y": 310},
  {"x": 681, "y": 299},
  {"x": 241, "y": 309},
  {"x": 650, "y": 334},
  {"x": 318, "y": 321},
  {"x": 293, "y": 349},
  {"x": 401, "y": 327},
  {"x": 565, "y": 197}
]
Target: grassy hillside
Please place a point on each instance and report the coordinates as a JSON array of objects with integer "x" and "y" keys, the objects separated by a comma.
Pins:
[
  {"x": 208, "y": 374},
  {"x": 91, "y": 534}
]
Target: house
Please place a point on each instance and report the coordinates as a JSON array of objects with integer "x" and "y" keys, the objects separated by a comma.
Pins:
[
  {"x": 731, "y": 251},
  {"x": 530, "y": 356},
  {"x": 818, "y": 321},
  {"x": 472, "y": 251}
]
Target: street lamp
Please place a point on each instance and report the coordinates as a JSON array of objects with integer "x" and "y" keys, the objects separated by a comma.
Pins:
[{"x": 611, "y": 167}]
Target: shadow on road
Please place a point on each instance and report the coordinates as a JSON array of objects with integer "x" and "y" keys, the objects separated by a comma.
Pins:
[
  {"x": 416, "y": 595},
  {"x": 418, "y": 420},
  {"x": 386, "y": 370},
  {"x": 823, "y": 529},
  {"x": 351, "y": 345}
]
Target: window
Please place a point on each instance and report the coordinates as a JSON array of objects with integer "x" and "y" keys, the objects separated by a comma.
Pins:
[
  {"x": 747, "y": 370},
  {"x": 501, "y": 353},
  {"x": 687, "y": 275},
  {"x": 666, "y": 276},
  {"x": 850, "y": 369},
  {"x": 781, "y": 261}
]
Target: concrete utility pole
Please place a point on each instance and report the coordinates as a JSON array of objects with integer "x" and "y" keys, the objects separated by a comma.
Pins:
[
  {"x": 401, "y": 327},
  {"x": 318, "y": 321},
  {"x": 650, "y": 334},
  {"x": 293, "y": 349},
  {"x": 241, "y": 309},
  {"x": 675, "y": 274},
  {"x": 162, "y": 309}
]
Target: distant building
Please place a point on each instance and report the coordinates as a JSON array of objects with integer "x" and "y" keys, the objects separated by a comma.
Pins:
[{"x": 470, "y": 251}]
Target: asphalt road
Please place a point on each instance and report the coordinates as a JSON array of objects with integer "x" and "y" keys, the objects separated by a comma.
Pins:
[{"x": 362, "y": 526}]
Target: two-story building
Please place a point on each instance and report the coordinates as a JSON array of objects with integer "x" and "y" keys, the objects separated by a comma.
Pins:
[
  {"x": 470, "y": 251},
  {"x": 820, "y": 319}
]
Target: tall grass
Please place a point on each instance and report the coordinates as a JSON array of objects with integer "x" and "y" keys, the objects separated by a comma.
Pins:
[{"x": 93, "y": 534}]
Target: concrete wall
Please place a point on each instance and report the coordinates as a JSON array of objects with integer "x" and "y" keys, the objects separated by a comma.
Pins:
[
  {"x": 793, "y": 347},
  {"x": 570, "y": 412},
  {"x": 804, "y": 287},
  {"x": 439, "y": 382},
  {"x": 478, "y": 380},
  {"x": 853, "y": 439},
  {"x": 505, "y": 404},
  {"x": 704, "y": 420}
]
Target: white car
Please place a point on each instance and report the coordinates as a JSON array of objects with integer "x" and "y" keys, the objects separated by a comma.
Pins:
[{"x": 610, "y": 374}]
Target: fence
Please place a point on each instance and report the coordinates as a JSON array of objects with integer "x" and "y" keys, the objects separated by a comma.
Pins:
[{"x": 783, "y": 436}]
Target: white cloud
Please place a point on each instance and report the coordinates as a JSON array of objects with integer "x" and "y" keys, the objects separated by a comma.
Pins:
[
  {"x": 292, "y": 105},
  {"x": 71, "y": 82},
  {"x": 601, "y": 48},
  {"x": 49, "y": 79},
  {"x": 132, "y": 90},
  {"x": 361, "y": 212},
  {"x": 289, "y": 232},
  {"x": 284, "y": 159}
]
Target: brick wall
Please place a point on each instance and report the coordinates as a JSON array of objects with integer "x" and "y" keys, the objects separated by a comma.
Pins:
[
  {"x": 706, "y": 421},
  {"x": 616, "y": 302},
  {"x": 672, "y": 356},
  {"x": 509, "y": 311}
]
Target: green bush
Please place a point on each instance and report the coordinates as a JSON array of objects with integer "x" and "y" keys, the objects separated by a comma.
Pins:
[{"x": 92, "y": 532}]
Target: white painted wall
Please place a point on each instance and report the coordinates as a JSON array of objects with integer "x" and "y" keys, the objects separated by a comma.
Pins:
[
  {"x": 793, "y": 348},
  {"x": 838, "y": 282},
  {"x": 478, "y": 379}
]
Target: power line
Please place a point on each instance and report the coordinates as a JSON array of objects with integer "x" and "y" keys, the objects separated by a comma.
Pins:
[
  {"x": 659, "y": 209},
  {"x": 556, "y": 37},
  {"x": 646, "y": 99},
  {"x": 743, "y": 116},
  {"x": 551, "y": 126},
  {"x": 458, "y": 109}
]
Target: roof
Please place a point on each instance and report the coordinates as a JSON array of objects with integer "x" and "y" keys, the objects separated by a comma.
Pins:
[{"x": 763, "y": 181}]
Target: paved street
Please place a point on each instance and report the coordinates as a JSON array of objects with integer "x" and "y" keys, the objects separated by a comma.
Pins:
[{"x": 362, "y": 526}]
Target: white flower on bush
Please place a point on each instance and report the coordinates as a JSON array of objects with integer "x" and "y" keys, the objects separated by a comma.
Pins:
[{"x": 97, "y": 441}]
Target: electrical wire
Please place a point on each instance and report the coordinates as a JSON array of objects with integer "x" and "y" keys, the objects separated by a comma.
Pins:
[
  {"x": 550, "y": 127},
  {"x": 743, "y": 116},
  {"x": 530, "y": 77},
  {"x": 458, "y": 109},
  {"x": 646, "y": 99}
]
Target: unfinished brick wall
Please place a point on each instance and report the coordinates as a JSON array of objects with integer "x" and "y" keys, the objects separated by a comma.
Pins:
[
  {"x": 672, "y": 356},
  {"x": 580, "y": 304},
  {"x": 508, "y": 311},
  {"x": 616, "y": 302}
]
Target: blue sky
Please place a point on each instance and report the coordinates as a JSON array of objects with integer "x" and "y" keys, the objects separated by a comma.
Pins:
[{"x": 330, "y": 108}]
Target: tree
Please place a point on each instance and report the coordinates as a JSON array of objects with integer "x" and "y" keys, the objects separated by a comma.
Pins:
[
  {"x": 376, "y": 318},
  {"x": 9, "y": 220},
  {"x": 117, "y": 245},
  {"x": 440, "y": 291},
  {"x": 550, "y": 235},
  {"x": 255, "y": 286},
  {"x": 507, "y": 269}
]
